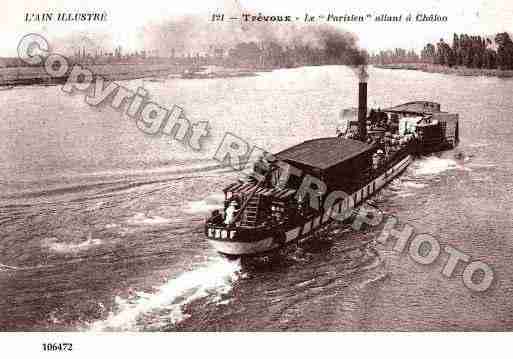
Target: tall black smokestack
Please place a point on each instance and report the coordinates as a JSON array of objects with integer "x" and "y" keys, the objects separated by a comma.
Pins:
[{"x": 362, "y": 103}]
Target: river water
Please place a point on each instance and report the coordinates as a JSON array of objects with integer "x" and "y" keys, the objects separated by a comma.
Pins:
[{"x": 102, "y": 225}]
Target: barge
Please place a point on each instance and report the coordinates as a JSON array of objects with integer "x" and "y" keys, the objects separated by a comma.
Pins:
[{"x": 294, "y": 193}]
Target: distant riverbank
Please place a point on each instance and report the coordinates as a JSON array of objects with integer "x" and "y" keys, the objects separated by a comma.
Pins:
[
  {"x": 14, "y": 76},
  {"x": 455, "y": 70},
  {"x": 20, "y": 76}
]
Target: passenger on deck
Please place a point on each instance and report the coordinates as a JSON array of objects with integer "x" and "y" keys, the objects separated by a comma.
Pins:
[
  {"x": 260, "y": 166},
  {"x": 231, "y": 212},
  {"x": 216, "y": 217},
  {"x": 263, "y": 170}
]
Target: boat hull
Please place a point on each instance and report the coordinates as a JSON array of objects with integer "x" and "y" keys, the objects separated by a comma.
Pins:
[{"x": 236, "y": 248}]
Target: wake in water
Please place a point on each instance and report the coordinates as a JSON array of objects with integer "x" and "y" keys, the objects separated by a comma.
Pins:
[
  {"x": 62, "y": 247},
  {"x": 210, "y": 203},
  {"x": 165, "y": 306},
  {"x": 140, "y": 219},
  {"x": 4, "y": 267},
  {"x": 433, "y": 165},
  {"x": 414, "y": 185}
]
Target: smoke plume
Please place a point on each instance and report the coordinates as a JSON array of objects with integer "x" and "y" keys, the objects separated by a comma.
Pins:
[{"x": 192, "y": 34}]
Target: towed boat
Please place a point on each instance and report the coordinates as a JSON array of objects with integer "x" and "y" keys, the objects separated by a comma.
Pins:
[{"x": 294, "y": 193}]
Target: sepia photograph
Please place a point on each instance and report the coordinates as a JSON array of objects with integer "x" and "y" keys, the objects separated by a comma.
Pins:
[{"x": 255, "y": 167}]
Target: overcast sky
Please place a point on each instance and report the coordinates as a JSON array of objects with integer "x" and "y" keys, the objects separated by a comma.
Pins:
[{"x": 126, "y": 18}]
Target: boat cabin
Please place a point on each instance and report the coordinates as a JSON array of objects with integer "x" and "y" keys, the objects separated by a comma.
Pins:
[{"x": 339, "y": 162}]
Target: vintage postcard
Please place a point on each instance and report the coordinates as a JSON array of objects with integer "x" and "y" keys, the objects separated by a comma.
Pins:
[{"x": 255, "y": 166}]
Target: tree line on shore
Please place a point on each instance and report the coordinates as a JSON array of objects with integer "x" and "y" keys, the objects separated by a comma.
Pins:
[
  {"x": 244, "y": 54},
  {"x": 466, "y": 50}
]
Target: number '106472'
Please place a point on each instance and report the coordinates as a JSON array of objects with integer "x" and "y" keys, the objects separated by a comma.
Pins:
[{"x": 57, "y": 347}]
